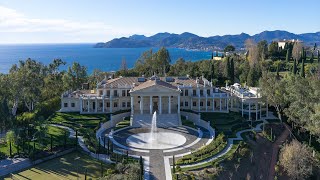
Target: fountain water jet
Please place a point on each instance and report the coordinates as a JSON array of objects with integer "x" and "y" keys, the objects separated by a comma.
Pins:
[{"x": 153, "y": 129}]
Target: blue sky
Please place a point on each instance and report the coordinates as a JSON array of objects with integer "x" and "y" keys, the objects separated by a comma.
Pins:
[{"x": 72, "y": 21}]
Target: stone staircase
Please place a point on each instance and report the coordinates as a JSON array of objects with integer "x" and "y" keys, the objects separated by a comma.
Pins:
[{"x": 163, "y": 120}]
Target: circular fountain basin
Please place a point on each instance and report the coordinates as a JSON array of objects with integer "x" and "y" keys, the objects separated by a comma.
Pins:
[{"x": 160, "y": 140}]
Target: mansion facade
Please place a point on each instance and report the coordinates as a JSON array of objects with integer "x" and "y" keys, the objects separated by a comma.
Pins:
[{"x": 165, "y": 95}]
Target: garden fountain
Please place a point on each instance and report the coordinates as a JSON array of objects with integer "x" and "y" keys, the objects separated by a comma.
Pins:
[{"x": 155, "y": 138}]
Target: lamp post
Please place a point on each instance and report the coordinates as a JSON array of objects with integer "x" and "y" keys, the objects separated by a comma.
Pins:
[{"x": 77, "y": 158}]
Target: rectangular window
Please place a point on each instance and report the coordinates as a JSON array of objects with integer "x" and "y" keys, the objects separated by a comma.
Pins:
[
  {"x": 73, "y": 105},
  {"x": 101, "y": 104},
  {"x": 128, "y": 104},
  {"x": 65, "y": 104},
  {"x": 186, "y": 104},
  {"x": 123, "y": 104},
  {"x": 181, "y": 104},
  {"x": 208, "y": 92},
  {"x": 194, "y": 103},
  {"x": 108, "y": 104},
  {"x": 181, "y": 94},
  {"x": 115, "y": 93},
  {"x": 201, "y": 92},
  {"x": 123, "y": 92},
  {"x": 108, "y": 93},
  {"x": 115, "y": 104},
  {"x": 208, "y": 103},
  {"x": 186, "y": 92},
  {"x": 194, "y": 92},
  {"x": 128, "y": 92},
  {"x": 100, "y": 92},
  {"x": 201, "y": 103}
]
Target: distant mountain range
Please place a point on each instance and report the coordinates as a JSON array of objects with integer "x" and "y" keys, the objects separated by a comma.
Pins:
[{"x": 191, "y": 41}]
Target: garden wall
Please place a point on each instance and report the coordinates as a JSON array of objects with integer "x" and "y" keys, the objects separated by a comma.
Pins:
[{"x": 114, "y": 119}]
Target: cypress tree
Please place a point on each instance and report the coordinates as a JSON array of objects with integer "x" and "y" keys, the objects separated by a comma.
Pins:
[
  {"x": 227, "y": 68},
  {"x": 232, "y": 70},
  {"x": 173, "y": 165},
  {"x": 288, "y": 56},
  {"x": 51, "y": 142},
  {"x": 212, "y": 70},
  {"x": 312, "y": 57},
  {"x": 250, "y": 77},
  {"x": 318, "y": 56},
  {"x": 212, "y": 55},
  {"x": 294, "y": 69},
  {"x": 302, "y": 69},
  {"x": 141, "y": 167},
  {"x": 278, "y": 69}
]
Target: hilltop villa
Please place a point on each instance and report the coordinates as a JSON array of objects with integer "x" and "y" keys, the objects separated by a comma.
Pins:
[{"x": 166, "y": 95}]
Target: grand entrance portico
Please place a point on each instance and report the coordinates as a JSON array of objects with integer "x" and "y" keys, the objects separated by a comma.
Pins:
[{"x": 157, "y": 96}]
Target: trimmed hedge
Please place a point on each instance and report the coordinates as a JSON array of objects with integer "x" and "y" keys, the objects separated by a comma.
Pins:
[{"x": 206, "y": 152}]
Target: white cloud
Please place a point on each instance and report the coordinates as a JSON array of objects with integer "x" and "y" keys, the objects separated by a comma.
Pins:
[{"x": 12, "y": 21}]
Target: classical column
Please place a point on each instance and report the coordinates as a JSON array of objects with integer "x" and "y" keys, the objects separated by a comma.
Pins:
[
  {"x": 141, "y": 104},
  {"x": 80, "y": 104},
  {"x": 179, "y": 104},
  {"x": 160, "y": 105},
  {"x": 111, "y": 104},
  {"x": 132, "y": 110},
  {"x": 242, "y": 107},
  {"x": 256, "y": 111},
  {"x": 96, "y": 105},
  {"x": 199, "y": 104},
  {"x": 212, "y": 104},
  {"x": 249, "y": 111},
  {"x": 150, "y": 104},
  {"x": 169, "y": 103},
  {"x": 206, "y": 101},
  {"x": 227, "y": 103},
  {"x": 88, "y": 105},
  {"x": 103, "y": 106},
  {"x": 260, "y": 111}
]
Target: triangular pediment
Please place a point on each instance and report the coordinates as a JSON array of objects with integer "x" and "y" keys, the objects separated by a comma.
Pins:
[{"x": 154, "y": 87}]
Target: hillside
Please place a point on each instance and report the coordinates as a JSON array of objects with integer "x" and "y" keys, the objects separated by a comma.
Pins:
[{"x": 191, "y": 41}]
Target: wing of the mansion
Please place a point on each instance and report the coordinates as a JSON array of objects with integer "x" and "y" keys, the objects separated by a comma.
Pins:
[{"x": 166, "y": 95}]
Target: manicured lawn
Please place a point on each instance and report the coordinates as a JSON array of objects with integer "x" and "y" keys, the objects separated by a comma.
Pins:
[
  {"x": 123, "y": 124},
  {"x": 65, "y": 167},
  {"x": 225, "y": 122},
  {"x": 188, "y": 123},
  {"x": 87, "y": 120}
]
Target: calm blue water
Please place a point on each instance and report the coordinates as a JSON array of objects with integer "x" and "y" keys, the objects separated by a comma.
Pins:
[{"x": 106, "y": 59}]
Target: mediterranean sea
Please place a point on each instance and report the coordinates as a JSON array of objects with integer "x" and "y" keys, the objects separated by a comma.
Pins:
[{"x": 105, "y": 59}]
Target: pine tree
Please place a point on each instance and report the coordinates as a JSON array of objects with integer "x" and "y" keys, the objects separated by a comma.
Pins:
[
  {"x": 294, "y": 69},
  {"x": 288, "y": 56},
  {"x": 302, "y": 69}
]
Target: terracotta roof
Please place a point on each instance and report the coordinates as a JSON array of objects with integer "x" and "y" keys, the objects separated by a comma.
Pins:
[{"x": 150, "y": 83}]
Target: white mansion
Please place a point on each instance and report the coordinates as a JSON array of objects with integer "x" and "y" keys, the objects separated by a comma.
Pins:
[{"x": 166, "y": 95}]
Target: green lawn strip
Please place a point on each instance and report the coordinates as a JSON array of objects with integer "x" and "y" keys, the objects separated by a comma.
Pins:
[
  {"x": 188, "y": 123},
  {"x": 66, "y": 167},
  {"x": 123, "y": 124},
  {"x": 205, "y": 152},
  {"x": 228, "y": 155}
]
